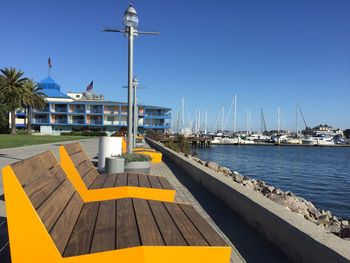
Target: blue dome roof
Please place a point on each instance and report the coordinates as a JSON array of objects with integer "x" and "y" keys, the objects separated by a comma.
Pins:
[{"x": 51, "y": 88}]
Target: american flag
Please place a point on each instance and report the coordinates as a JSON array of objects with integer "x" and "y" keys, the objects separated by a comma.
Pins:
[
  {"x": 49, "y": 62},
  {"x": 90, "y": 86}
]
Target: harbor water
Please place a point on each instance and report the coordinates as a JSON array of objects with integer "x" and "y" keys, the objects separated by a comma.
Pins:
[{"x": 318, "y": 174}]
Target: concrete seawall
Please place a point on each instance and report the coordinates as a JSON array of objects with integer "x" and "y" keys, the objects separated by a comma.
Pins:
[{"x": 299, "y": 239}]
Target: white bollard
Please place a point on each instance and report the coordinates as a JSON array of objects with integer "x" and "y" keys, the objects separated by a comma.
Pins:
[{"x": 108, "y": 146}]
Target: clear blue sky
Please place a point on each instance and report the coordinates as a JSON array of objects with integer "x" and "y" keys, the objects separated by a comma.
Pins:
[{"x": 271, "y": 53}]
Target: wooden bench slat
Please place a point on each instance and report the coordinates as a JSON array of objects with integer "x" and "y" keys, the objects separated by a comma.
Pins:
[
  {"x": 62, "y": 230},
  {"x": 171, "y": 234},
  {"x": 143, "y": 181},
  {"x": 126, "y": 230},
  {"x": 211, "y": 236},
  {"x": 30, "y": 168},
  {"x": 148, "y": 229},
  {"x": 84, "y": 167},
  {"x": 90, "y": 177},
  {"x": 110, "y": 181},
  {"x": 154, "y": 182},
  {"x": 133, "y": 179},
  {"x": 122, "y": 179},
  {"x": 188, "y": 230},
  {"x": 78, "y": 157},
  {"x": 165, "y": 183},
  {"x": 99, "y": 181},
  {"x": 52, "y": 208},
  {"x": 44, "y": 185},
  {"x": 73, "y": 147},
  {"x": 104, "y": 234},
  {"x": 80, "y": 240}
]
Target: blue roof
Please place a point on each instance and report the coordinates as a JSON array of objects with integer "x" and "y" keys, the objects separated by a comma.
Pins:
[{"x": 51, "y": 88}]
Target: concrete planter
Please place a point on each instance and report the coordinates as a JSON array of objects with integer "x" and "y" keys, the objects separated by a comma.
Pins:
[
  {"x": 138, "y": 167},
  {"x": 114, "y": 165}
]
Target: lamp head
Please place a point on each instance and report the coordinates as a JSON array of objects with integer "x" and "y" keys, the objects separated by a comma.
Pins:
[{"x": 130, "y": 17}]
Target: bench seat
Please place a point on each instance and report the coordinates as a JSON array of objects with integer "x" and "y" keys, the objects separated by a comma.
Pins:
[
  {"x": 48, "y": 221},
  {"x": 86, "y": 179}
]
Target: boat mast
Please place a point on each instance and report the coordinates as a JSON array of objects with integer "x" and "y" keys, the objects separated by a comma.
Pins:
[
  {"x": 183, "y": 111},
  {"x": 296, "y": 120},
  {"x": 222, "y": 119},
  {"x": 278, "y": 120},
  {"x": 235, "y": 114},
  {"x": 206, "y": 122}
]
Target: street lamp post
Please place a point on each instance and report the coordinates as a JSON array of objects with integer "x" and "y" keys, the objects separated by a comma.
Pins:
[
  {"x": 131, "y": 23},
  {"x": 135, "y": 84}
]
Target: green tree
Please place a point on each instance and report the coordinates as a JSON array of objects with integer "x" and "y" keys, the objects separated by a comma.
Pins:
[
  {"x": 35, "y": 100},
  {"x": 13, "y": 93}
]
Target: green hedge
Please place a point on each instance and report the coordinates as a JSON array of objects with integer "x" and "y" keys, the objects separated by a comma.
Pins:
[{"x": 84, "y": 133}]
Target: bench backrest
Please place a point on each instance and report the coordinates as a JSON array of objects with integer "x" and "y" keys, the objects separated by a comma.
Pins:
[
  {"x": 84, "y": 166},
  {"x": 50, "y": 192}
]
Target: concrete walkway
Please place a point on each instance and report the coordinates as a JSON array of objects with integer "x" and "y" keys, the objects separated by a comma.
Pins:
[{"x": 247, "y": 245}]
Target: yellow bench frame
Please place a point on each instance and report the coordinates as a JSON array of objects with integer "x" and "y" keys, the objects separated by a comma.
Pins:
[
  {"x": 89, "y": 195},
  {"x": 30, "y": 242}
]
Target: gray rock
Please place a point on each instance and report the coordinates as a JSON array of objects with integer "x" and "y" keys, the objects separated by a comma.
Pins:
[
  {"x": 279, "y": 199},
  {"x": 345, "y": 223},
  {"x": 238, "y": 178},
  {"x": 314, "y": 212},
  {"x": 246, "y": 177},
  {"x": 248, "y": 185},
  {"x": 224, "y": 170},
  {"x": 323, "y": 219},
  {"x": 345, "y": 233},
  {"x": 278, "y": 191},
  {"x": 213, "y": 165},
  {"x": 334, "y": 229}
]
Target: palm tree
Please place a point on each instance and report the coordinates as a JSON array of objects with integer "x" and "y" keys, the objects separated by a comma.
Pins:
[
  {"x": 36, "y": 100},
  {"x": 13, "y": 93}
]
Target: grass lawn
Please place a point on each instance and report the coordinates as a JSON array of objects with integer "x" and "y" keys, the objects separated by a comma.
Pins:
[{"x": 9, "y": 141}]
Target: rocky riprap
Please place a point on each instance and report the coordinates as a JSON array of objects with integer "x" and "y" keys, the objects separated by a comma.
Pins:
[{"x": 304, "y": 208}]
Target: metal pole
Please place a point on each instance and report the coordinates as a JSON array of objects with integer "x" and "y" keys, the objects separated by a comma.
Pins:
[
  {"x": 135, "y": 116},
  {"x": 130, "y": 87}
]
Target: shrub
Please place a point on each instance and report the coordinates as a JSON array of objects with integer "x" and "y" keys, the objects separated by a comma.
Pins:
[
  {"x": 84, "y": 133},
  {"x": 134, "y": 157}
]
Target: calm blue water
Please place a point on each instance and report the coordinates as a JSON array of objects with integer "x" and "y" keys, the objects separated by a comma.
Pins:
[{"x": 319, "y": 174}]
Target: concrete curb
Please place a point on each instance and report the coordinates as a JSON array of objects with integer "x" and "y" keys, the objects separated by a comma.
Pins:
[{"x": 300, "y": 239}]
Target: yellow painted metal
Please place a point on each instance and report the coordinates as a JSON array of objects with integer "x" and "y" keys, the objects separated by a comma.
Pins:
[
  {"x": 156, "y": 157},
  {"x": 143, "y": 149},
  {"x": 31, "y": 243},
  {"x": 89, "y": 195}
]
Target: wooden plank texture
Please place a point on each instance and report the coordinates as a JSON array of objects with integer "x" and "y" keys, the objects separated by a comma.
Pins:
[
  {"x": 122, "y": 179},
  {"x": 104, "y": 233},
  {"x": 143, "y": 181},
  {"x": 78, "y": 157},
  {"x": 188, "y": 230},
  {"x": 62, "y": 230},
  {"x": 171, "y": 234},
  {"x": 126, "y": 230},
  {"x": 155, "y": 182},
  {"x": 133, "y": 179},
  {"x": 165, "y": 183},
  {"x": 52, "y": 208},
  {"x": 73, "y": 147},
  {"x": 100, "y": 180},
  {"x": 44, "y": 185},
  {"x": 84, "y": 167},
  {"x": 80, "y": 241},
  {"x": 110, "y": 181},
  {"x": 30, "y": 168},
  {"x": 148, "y": 229}
]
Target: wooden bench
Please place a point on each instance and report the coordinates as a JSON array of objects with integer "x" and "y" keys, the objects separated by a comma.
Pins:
[
  {"x": 95, "y": 187},
  {"x": 48, "y": 221}
]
